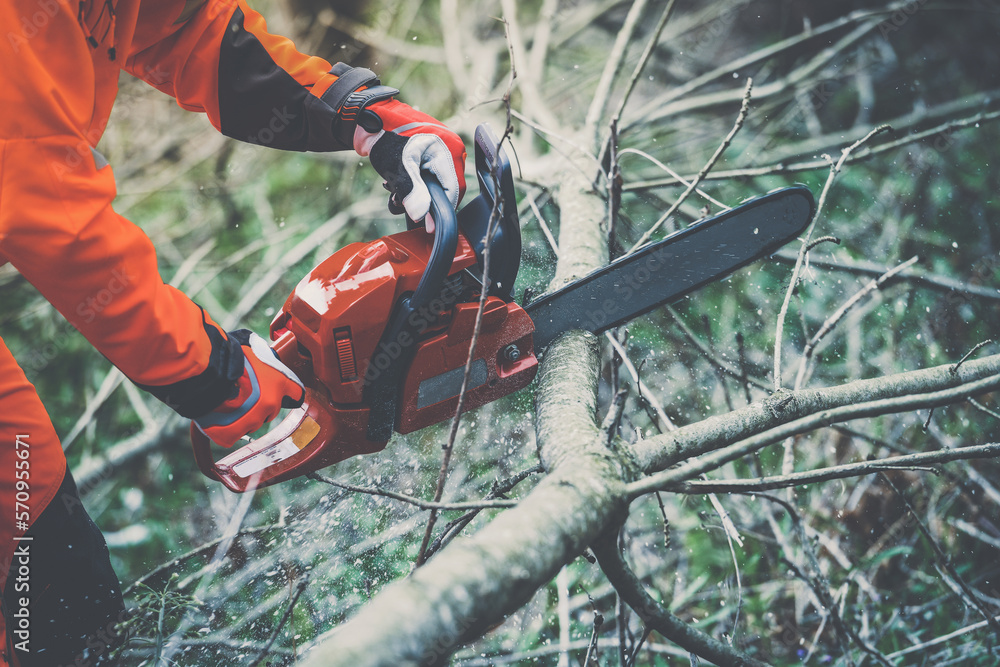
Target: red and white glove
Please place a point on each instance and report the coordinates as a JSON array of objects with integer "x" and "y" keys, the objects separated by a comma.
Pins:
[
  {"x": 266, "y": 386},
  {"x": 400, "y": 142},
  {"x": 397, "y": 139}
]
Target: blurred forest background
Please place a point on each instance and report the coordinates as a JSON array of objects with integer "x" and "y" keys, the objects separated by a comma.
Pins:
[{"x": 211, "y": 574}]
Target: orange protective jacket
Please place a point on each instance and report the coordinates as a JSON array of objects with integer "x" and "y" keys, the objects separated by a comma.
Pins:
[
  {"x": 58, "y": 81},
  {"x": 59, "y": 69}
]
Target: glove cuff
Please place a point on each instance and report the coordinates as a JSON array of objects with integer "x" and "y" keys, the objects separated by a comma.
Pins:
[
  {"x": 355, "y": 89},
  {"x": 214, "y": 385}
]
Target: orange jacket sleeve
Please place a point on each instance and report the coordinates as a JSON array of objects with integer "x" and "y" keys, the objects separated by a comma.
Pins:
[
  {"x": 58, "y": 227},
  {"x": 254, "y": 86}
]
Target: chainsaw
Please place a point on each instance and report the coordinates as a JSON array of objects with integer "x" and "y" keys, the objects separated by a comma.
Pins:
[{"x": 380, "y": 332}]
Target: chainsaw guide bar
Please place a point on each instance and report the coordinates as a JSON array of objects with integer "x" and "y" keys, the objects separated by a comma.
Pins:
[{"x": 670, "y": 269}]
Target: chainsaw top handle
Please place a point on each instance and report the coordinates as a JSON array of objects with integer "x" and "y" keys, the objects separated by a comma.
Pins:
[
  {"x": 443, "y": 251},
  {"x": 402, "y": 331}
]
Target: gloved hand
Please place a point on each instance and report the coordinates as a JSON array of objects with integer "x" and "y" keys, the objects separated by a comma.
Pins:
[
  {"x": 266, "y": 386},
  {"x": 400, "y": 141}
]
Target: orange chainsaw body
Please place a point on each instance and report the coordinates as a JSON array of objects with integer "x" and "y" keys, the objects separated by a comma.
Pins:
[{"x": 370, "y": 365}]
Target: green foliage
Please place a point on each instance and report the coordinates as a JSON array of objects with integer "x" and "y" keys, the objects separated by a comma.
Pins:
[{"x": 934, "y": 198}]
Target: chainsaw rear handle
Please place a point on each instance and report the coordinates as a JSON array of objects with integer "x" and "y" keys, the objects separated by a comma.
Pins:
[
  {"x": 496, "y": 188},
  {"x": 495, "y": 206}
]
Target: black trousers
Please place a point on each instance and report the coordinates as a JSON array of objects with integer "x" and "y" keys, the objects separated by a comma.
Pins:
[{"x": 75, "y": 599}]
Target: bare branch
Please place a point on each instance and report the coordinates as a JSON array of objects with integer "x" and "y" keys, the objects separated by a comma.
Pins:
[
  {"x": 943, "y": 560},
  {"x": 976, "y": 348},
  {"x": 299, "y": 590},
  {"x": 543, "y": 34},
  {"x": 663, "y": 422},
  {"x": 835, "y": 472},
  {"x": 416, "y": 502},
  {"x": 636, "y": 151},
  {"x": 659, "y": 617},
  {"x": 741, "y": 117},
  {"x": 923, "y": 646},
  {"x": 822, "y": 239},
  {"x": 171, "y": 430},
  {"x": 639, "y": 66},
  {"x": 783, "y": 88},
  {"x": 547, "y": 133},
  {"x": 454, "y": 54},
  {"x": 197, "y": 551},
  {"x": 611, "y": 68},
  {"x": 728, "y": 369},
  {"x": 838, "y": 315},
  {"x": 790, "y": 413},
  {"x": 794, "y": 280},
  {"x": 821, "y": 589},
  {"x": 982, "y": 408},
  {"x": 863, "y": 154},
  {"x": 500, "y": 487},
  {"x": 545, "y": 228},
  {"x": 613, "y": 418},
  {"x": 914, "y": 277},
  {"x": 758, "y": 56},
  {"x": 534, "y": 105}
]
